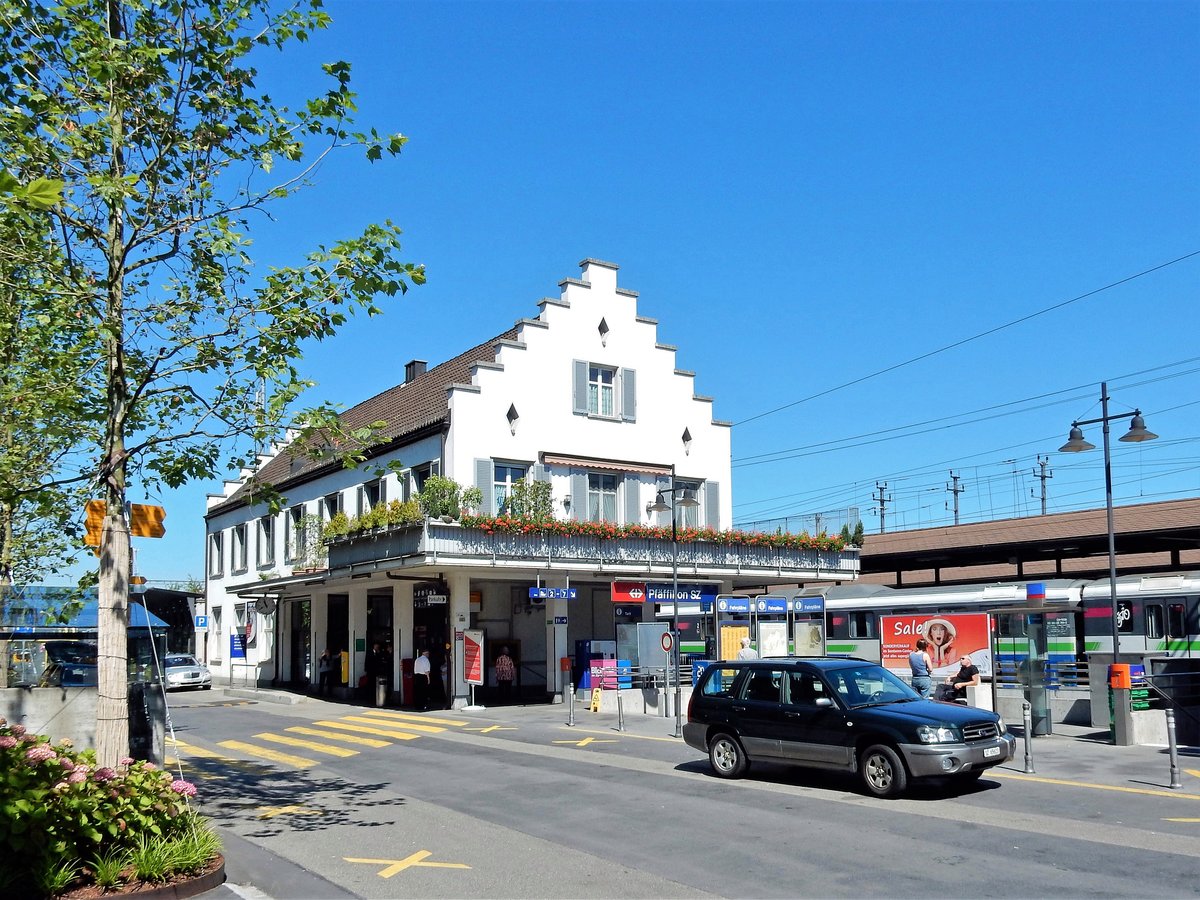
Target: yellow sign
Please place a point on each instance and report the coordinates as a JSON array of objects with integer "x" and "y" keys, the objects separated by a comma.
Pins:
[
  {"x": 144, "y": 521},
  {"x": 594, "y": 706}
]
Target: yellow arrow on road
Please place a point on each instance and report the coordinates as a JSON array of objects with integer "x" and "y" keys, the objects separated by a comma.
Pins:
[
  {"x": 586, "y": 741},
  {"x": 392, "y": 866}
]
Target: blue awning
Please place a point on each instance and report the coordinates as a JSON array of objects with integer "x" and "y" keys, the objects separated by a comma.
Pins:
[{"x": 32, "y": 609}]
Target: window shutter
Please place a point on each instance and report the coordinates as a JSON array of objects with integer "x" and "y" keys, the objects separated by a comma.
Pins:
[
  {"x": 538, "y": 473},
  {"x": 712, "y": 504},
  {"x": 633, "y": 500},
  {"x": 581, "y": 387},
  {"x": 579, "y": 496},
  {"x": 629, "y": 395},
  {"x": 485, "y": 480}
]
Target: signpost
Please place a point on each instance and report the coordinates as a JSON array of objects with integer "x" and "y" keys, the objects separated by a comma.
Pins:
[{"x": 473, "y": 660}]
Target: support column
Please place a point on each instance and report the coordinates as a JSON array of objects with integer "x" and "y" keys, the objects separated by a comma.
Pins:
[
  {"x": 460, "y": 620},
  {"x": 357, "y": 639},
  {"x": 557, "y": 612},
  {"x": 318, "y": 623},
  {"x": 402, "y": 639}
]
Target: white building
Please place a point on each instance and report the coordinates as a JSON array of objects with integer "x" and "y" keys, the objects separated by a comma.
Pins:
[{"x": 582, "y": 396}]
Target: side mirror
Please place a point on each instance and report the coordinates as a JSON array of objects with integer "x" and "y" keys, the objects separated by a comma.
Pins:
[{"x": 824, "y": 702}]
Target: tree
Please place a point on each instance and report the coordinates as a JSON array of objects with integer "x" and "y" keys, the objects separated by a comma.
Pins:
[{"x": 149, "y": 114}]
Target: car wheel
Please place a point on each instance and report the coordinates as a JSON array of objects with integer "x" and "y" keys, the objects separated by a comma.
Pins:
[
  {"x": 207, "y": 687},
  {"x": 882, "y": 771},
  {"x": 727, "y": 757}
]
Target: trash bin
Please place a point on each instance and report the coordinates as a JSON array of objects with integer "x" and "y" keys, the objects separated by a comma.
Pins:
[{"x": 381, "y": 691}]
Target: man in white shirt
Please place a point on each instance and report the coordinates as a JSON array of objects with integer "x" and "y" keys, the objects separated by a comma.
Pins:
[
  {"x": 421, "y": 669},
  {"x": 747, "y": 652}
]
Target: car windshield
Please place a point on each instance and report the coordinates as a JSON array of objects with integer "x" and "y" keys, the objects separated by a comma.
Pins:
[
  {"x": 869, "y": 685},
  {"x": 176, "y": 661}
]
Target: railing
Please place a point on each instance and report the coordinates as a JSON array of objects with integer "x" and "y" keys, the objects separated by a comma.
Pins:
[
  {"x": 453, "y": 542},
  {"x": 1059, "y": 674}
]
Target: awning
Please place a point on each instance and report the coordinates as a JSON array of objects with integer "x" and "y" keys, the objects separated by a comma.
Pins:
[{"x": 604, "y": 465}]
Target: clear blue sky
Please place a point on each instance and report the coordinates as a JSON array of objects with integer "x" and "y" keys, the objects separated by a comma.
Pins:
[{"x": 804, "y": 194}]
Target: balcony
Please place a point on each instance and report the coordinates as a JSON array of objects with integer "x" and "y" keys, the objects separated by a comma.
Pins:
[{"x": 436, "y": 543}]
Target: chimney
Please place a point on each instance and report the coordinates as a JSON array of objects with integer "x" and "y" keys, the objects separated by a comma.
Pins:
[{"x": 413, "y": 369}]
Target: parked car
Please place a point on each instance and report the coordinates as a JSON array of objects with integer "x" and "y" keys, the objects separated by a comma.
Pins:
[
  {"x": 182, "y": 670},
  {"x": 838, "y": 713},
  {"x": 69, "y": 664}
]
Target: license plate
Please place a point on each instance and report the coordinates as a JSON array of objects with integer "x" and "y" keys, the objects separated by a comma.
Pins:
[{"x": 991, "y": 751}]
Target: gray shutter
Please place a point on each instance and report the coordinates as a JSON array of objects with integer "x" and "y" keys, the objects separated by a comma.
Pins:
[
  {"x": 629, "y": 395},
  {"x": 485, "y": 480},
  {"x": 633, "y": 500},
  {"x": 581, "y": 387},
  {"x": 538, "y": 473},
  {"x": 579, "y": 496},
  {"x": 712, "y": 504},
  {"x": 664, "y": 485}
]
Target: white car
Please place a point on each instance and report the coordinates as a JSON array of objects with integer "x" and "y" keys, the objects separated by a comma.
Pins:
[{"x": 184, "y": 671}]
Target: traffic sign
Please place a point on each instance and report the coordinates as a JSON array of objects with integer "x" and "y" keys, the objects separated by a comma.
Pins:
[
  {"x": 666, "y": 642},
  {"x": 201, "y": 623}
]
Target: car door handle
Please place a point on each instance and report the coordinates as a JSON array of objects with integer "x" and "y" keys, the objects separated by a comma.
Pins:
[
  {"x": 737, "y": 708},
  {"x": 793, "y": 715}
]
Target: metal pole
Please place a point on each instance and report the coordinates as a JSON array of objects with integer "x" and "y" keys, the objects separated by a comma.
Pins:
[
  {"x": 620, "y": 711},
  {"x": 571, "y": 706},
  {"x": 1112, "y": 540},
  {"x": 1173, "y": 749},
  {"x": 1027, "y": 723},
  {"x": 673, "y": 656}
]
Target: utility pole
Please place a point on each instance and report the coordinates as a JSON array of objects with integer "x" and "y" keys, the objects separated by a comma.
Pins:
[
  {"x": 1043, "y": 475},
  {"x": 956, "y": 489},
  {"x": 883, "y": 500}
]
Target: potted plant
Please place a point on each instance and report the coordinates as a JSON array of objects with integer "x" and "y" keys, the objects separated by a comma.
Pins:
[
  {"x": 439, "y": 498},
  {"x": 472, "y": 499}
]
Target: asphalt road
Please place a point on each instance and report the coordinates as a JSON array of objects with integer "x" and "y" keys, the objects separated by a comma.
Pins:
[{"x": 328, "y": 800}]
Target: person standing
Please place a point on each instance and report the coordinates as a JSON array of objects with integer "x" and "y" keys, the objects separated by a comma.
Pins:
[
  {"x": 421, "y": 670},
  {"x": 747, "y": 652},
  {"x": 922, "y": 669},
  {"x": 505, "y": 673},
  {"x": 324, "y": 671}
]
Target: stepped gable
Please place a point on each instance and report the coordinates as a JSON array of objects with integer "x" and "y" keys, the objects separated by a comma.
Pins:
[{"x": 406, "y": 408}]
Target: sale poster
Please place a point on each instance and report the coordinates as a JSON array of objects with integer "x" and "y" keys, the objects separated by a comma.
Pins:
[
  {"x": 473, "y": 657},
  {"x": 950, "y": 637}
]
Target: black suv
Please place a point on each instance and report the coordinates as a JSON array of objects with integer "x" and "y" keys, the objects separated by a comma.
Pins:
[{"x": 838, "y": 713}]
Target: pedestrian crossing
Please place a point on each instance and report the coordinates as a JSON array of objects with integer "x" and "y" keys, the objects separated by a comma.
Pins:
[{"x": 305, "y": 746}]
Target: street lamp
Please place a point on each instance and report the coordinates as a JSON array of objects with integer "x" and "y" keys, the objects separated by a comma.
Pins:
[
  {"x": 687, "y": 500},
  {"x": 1076, "y": 444}
]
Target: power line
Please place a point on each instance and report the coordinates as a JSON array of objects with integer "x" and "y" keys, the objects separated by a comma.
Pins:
[{"x": 965, "y": 341}]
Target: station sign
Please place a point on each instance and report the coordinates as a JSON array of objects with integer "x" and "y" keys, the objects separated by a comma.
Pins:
[
  {"x": 655, "y": 592},
  {"x": 771, "y": 604},
  {"x": 808, "y": 604},
  {"x": 548, "y": 593},
  {"x": 430, "y": 593},
  {"x": 733, "y": 604}
]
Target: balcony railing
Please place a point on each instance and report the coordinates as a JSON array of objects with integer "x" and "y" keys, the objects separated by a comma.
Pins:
[{"x": 450, "y": 543}]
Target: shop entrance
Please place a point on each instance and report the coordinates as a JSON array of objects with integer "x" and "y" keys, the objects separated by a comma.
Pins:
[
  {"x": 300, "y": 643},
  {"x": 431, "y": 629}
]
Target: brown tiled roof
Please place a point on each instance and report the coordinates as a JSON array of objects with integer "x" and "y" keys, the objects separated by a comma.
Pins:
[{"x": 407, "y": 408}]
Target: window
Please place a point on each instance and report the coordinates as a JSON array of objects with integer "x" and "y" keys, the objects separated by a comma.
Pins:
[
  {"x": 601, "y": 391},
  {"x": 805, "y": 688},
  {"x": 720, "y": 683},
  {"x": 1154, "y": 620},
  {"x": 219, "y": 651},
  {"x": 503, "y": 480},
  {"x": 1176, "y": 626},
  {"x": 216, "y": 555},
  {"x": 265, "y": 545},
  {"x": 862, "y": 624},
  {"x": 331, "y": 505},
  {"x": 687, "y": 516},
  {"x": 296, "y": 533},
  {"x": 763, "y": 684},
  {"x": 239, "y": 550},
  {"x": 418, "y": 476},
  {"x": 246, "y": 624},
  {"x": 370, "y": 495},
  {"x": 602, "y": 498}
]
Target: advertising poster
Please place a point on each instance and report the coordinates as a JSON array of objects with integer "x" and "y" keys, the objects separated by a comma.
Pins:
[
  {"x": 473, "y": 657},
  {"x": 950, "y": 637}
]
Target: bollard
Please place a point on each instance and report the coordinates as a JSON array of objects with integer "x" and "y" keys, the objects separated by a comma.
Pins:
[
  {"x": 1173, "y": 749},
  {"x": 571, "y": 704},
  {"x": 620, "y": 712},
  {"x": 1027, "y": 722}
]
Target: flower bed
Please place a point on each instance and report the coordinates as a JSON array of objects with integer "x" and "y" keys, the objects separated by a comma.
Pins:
[{"x": 67, "y": 824}]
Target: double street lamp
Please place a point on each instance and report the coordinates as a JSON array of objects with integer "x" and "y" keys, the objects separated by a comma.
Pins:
[
  {"x": 687, "y": 500},
  {"x": 1075, "y": 444}
]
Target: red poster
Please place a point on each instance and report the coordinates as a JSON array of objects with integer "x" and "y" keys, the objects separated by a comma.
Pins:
[
  {"x": 950, "y": 637},
  {"x": 473, "y": 657}
]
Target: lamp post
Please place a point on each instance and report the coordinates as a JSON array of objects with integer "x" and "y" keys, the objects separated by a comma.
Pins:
[
  {"x": 1076, "y": 444},
  {"x": 687, "y": 500}
]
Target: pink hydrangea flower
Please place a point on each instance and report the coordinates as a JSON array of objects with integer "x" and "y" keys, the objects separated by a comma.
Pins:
[
  {"x": 7, "y": 742},
  {"x": 126, "y": 761},
  {"x": 40, "y": 753},
  {"x": 66, "y": 762},
  {"x": 149, "y": 767},
  {"x": 104, "y": 773},
  {"x": 66, "y": 742},
  {"x": 18, "y": 730},
  {"x": 186, "y": 788},
  {"x": 77, "y": 777}
]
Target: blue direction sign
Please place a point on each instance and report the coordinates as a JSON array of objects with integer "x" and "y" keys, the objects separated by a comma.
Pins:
[
  {"x": 687, "y": 593},
  {"x": 808, "y": 604},
  {"x": 771, "y": 604},
  {"x": 547, "y": 593},
  {"x": 733, "y": 604}
]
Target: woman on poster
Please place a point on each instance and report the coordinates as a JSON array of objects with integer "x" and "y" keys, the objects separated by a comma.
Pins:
[{"x": 940, "y": 635}]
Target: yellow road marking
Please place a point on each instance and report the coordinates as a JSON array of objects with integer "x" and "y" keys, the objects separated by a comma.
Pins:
[
  {"x": 992, "y": 773},
  {"x": 410, "y": 726},
  {"x": 1195, "y": 772},
  {"x": 359, "y": 729},
  {"x": 492, "y": 728},
  {"x": 586, "y": 741},
  {"x": 392, "y": 866},
  {"x": 348, "y": 738},
  {"x": 193, "y": 750},
  {"x": 267, "y": 753},
  {"x": 270, "y": 812},
  {"x": 1181, "y": 820},
  {"x": 642, "y": 737},
  {"x": 307, "y": 745},
  {"x": 410, "y": 717}
]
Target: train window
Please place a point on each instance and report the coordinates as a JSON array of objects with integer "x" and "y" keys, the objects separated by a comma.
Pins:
[
  {"x": 1176, "y": 621},
  {"x": 1154, "y": 620},
  {"x": 1011, "y": 625},
  {"x": 862, "y": 624}
]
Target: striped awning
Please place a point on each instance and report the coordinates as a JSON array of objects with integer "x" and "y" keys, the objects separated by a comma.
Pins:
[{"x": 604, "y": 465}]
